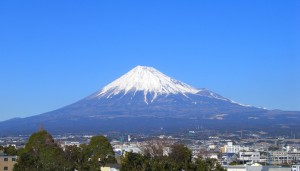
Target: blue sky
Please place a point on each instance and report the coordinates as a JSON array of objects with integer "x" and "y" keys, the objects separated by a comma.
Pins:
[{"x": 56, "y": 52}]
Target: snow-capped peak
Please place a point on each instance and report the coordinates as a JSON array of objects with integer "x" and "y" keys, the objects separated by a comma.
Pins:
[{"x": 148, "y": 80}]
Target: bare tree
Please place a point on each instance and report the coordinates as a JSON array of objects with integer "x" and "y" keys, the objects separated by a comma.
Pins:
[{"x": 156, "y": 147}]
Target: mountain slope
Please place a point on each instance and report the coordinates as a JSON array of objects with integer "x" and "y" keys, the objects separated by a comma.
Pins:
[{"x": 146, "y": 99}]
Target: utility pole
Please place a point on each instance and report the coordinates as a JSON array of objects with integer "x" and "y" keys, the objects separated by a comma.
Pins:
[{"x": 241, "y": 133}]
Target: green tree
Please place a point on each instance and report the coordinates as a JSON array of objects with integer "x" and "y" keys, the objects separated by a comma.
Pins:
[
  {"x": 9, "y": 150},
  {"x": 40, "y": 153},
  {"x": 97, "y": 153},
  {"x": 135, "y": 162},
  {"x": 207, "y": 165},
  {"x": 101, "y": 150},
  {"x": 273, "y": 148},
  {"x": 164, "y": 163},
  {"x": 72, "y": 155},
  {"x": 181, "y": 155}
]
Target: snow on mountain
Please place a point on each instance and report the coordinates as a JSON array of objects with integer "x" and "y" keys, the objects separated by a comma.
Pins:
[
  {"x": 152, "y": 82},
  {"x": 210, "y": 94},
  {"x": 147, "y": 80},
  {"x": 207, "y": 93}
]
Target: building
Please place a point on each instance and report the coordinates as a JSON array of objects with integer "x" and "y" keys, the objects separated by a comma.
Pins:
[
  {"x": 69, "y": 143},
  {"x": 7, "y": 162},
  {"x": 283, "y": 157},
  {"x": 110, "y": 167},
  {"x": 228, "y": 158},
  {"x": 122, "y": 149},
  {"x": 249, "y": 156},
  {"x": 296, "y": 167},
  {"x": 294, "y": 157},
  {"x": 278, "y": 157},
  {"x": 257, "y": 168},
  {"x": 230, "y": 148}
]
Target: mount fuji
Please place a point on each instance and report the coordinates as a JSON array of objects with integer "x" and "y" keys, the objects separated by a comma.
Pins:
[{"x": 144, "y": 99}]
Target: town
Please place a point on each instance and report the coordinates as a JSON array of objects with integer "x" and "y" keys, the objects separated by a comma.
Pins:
[{"x": 241, "y": 150}]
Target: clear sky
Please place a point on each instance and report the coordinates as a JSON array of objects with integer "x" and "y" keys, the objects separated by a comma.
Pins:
[{"x": 53, "y": 53}]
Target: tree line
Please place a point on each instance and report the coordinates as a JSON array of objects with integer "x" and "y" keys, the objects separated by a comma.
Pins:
[
  {"x": 42, "y": 153},
  {"x": 179, "y": 159}
]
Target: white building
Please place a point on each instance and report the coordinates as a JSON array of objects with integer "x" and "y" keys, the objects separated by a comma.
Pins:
[
  {"x": 295, "y": 168},
  {"x": 122, "y": 149},
  {"x": 212, "y": 147},
  {"x": 214, "y": 156},
  {"x": 249, "y": 156},
  {"x": 69, "y": 143},
  {"x": 230, "y": 148}
]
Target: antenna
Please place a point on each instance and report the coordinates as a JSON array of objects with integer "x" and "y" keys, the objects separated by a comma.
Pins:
[
  {"x": 41, "y": 128},
  {"x": 241, "y": 133}
]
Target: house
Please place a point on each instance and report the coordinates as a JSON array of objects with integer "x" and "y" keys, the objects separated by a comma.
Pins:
[
  {"x": 111, "y": 167},
  {"x": 7, "y": 162}
]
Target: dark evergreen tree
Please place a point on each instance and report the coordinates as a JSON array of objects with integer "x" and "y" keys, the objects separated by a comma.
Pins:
[
  {"x": 181, "y": 155},
  {"x": 207, "y": 165},
  {"x": 9, "y": 150},
  {"x": 97, "y": 153},
  {"x": 135, "y": 162},
  {"x": 40, "y": 153},
  {"x": 72, "y": 155}
]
